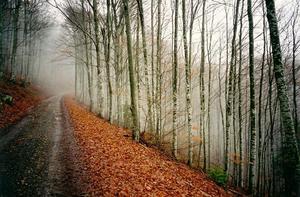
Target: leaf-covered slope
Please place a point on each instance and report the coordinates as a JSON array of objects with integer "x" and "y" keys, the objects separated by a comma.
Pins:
[
  {"x": 23, "y": 99},
  {"x": 117, "y": 166}
]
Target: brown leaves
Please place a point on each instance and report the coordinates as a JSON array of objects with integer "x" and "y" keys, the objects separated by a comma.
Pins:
[
  {"x": 23, "y": 99},
  {"x": 117, "y": 166}
]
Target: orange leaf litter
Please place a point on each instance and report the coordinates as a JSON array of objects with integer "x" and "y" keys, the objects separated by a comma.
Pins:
[
  {"x": 117, "y": 166},
  {"x": 23, "y": 100}
]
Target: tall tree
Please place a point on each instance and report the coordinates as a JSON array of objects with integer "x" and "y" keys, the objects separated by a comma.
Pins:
[
  {"x": 230, "y": 86},
  {"x": 240, "y": 169},
  {"x": 202, "y": 86},
  {"x": 87, "y": 56},
  {"x": 290, "y": 152},
  {"x": 106, "y": 32},
  {"x": 296, "y": 45},
  {"x": 17, "y": 4},
  {"x": 158, "y": 72},
  {"x": 132, "y": 78},
  {"x": 260, "y": 106},
  {"x": 174, "y": 83},
  {"x": 188, "y": 85},
  {"x": 98, "y": 54},
  {"x": 252, "y": 98},
  {"x": 145, "y": 54}
]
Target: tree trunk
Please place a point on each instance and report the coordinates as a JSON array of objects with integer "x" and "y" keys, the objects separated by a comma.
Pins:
[
  {"x": 15, "y": 36},
  {"x": 240, "y": 169},
  {"x": 188, "y": 86},
  {"x": 158, "y": 74},
  {"x": 290, "y": 150},
  {"x": 132, "y": 78},
  {"x": 145, "y": 53},
  {"x": 107, "y": 39},
  {"x": 230, "y": 87},
  {"x": 98, "y": 61},
  {"x": 260, "y": 105},
  {"x": 174, "y": 82},
  {"x": 202, "y": 88},
  {"x": 252, "y": 99}
]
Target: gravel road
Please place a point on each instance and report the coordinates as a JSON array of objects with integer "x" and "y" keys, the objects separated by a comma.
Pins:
[{"x": 38, "y": 154}]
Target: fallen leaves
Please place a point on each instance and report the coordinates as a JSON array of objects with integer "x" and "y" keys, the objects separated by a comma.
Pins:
[
  {"x": 118, "y": 166},
  {"x": 23, "y": 99}
]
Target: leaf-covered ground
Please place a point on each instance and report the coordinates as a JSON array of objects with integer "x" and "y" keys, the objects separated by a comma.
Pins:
[
  {"x": 117, "y": 166},
  {"x": 23, "y": 100}
]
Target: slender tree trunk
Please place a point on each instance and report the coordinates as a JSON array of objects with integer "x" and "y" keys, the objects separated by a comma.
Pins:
[
  {"x": 145, "y": 53},
  {"x": 158, "y": 74},
  {"x": 230, "y": 87},
  {"x": 15, "y": 36},
  {"x": 153, "y": 84},
  {"x": 252, "y": 99},
  {"x": 188, "y": 86},
  {"x": 260, "y": 105},
  {"x": 295, "y": 47},
  {"x": 220, "y": 94},
  {"x": 107, "y": 39},
  {"x": 76, "y": 65},
  {"x": 87, "y": 57},
  {"x": 98, "y": 53},
  {"x": 202, "y": 91},
  {"x": 174, "y": 83},
  {"x": 226, "y": 139},
  {"x": 240, "y": 169},
  {"x": 209, "y": 51},
  {"x": 137, "y": 68}
]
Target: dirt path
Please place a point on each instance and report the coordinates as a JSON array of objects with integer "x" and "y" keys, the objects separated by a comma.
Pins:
[{"x": 38, "y": 154}]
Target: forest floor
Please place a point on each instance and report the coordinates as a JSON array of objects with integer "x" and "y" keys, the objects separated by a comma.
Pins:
[
  {"x": 24, "y": 98},
  {"x": 118, "y": 166},
  {"x": 55, "y": 147}
]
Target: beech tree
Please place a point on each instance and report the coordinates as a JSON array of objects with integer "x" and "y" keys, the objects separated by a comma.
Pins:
[
  {"x": 174, "y": 85},
  {"x": 290, "y": 150},
  {"x": 132, "y": 79},
  {"x": 252, "y": 97}
]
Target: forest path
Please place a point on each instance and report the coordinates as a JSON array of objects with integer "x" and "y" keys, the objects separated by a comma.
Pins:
[
  {"x": 38, "y": 154},
  {"x": 42, "y": 155}
]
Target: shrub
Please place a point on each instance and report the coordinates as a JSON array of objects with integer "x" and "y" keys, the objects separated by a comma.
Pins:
[{"x": 218, "y": 175}]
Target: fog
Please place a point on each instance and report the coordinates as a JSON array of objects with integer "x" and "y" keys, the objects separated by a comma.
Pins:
[
  {"x": 58, "y": 65},
  {"x": 56, "y": 68},
  {"x": 195, "y": 97}
]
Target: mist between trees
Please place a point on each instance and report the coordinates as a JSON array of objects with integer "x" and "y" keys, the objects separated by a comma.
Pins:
[
  {"x": 213, "y": 83},
  {"x": 29, "y": 50}
]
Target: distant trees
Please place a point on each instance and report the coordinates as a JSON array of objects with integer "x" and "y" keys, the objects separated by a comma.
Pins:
[
  {"x": 192, "y": 92},
  {"x": 21, "y": 28}
]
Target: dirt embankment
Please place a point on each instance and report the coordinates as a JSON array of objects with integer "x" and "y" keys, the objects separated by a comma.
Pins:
[{"x": 24, "y": 98}]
